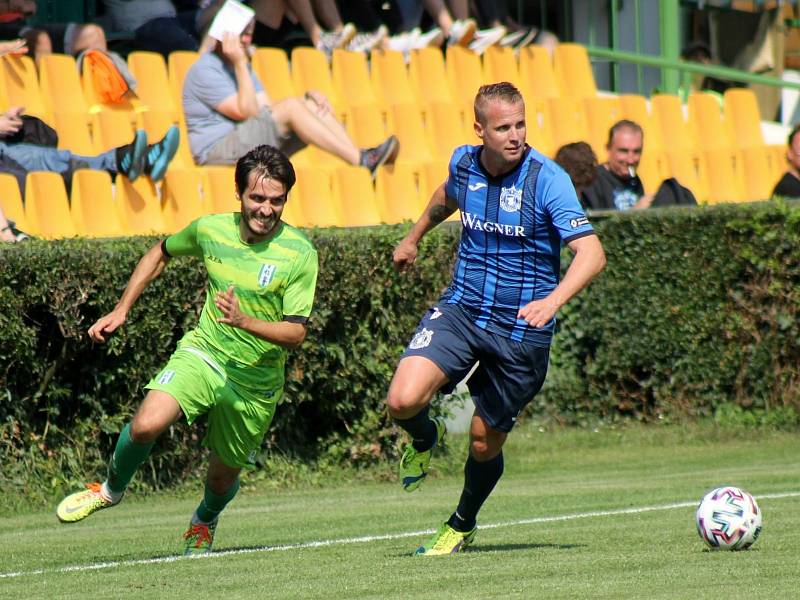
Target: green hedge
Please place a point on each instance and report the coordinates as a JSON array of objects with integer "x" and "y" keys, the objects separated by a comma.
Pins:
[{"x": 697, "y": 308}]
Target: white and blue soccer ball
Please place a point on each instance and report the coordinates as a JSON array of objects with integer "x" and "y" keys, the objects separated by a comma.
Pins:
[{"x": 728, "y": 518}]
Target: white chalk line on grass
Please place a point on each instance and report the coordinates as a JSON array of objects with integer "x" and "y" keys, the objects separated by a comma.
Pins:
[{"x": 366, "y": 538}]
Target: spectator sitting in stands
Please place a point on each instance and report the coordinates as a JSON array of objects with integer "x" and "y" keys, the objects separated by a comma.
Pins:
[
  {"x": 228, "y": 113},
  {"x": 154, "y": 23},
  {"x": 8, "y": 233},
  {"x": 130, "y": 160},
  {"x": 618, "y": 187},
  {"x": 39, "y": 44},
  {"x": 789, "y": 184},
  {"x": 579, "y": 161}
]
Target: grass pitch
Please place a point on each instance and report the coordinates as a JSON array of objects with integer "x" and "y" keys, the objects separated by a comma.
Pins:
[{"x": 578, "y": 514}]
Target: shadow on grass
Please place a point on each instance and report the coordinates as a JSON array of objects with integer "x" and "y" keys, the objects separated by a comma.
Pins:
[{"x": 508, "y": 547}]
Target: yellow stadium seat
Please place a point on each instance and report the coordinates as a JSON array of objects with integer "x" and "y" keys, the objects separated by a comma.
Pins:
[
  {"x": 568, "y": 121},
  {"x": 351, "y": 78},
  {"x": 429, "y": 77},
  {"x": 292, "y": 213},
  {"x": 705, "y": 117},
  {"x": 126, "y": 106},
  {"x": 314, "y": 193},
  {"x": 11, "y": 201},
  {"x": 366, "y": 126},
  {"x": 540, "y": 129},
  {"x": 724, "y": 183},
  {"x": 139, "y": 206},
  {"x": 111, "y": 129},
  {"x": 183, "y": 200},
  {"x": 742, "y": 116},
  {"x": 634, "y": 108},
  {"x": 669, "y": 120},
  {"x": 46, "y": 206},
  {"x": 390, "y": 79},
  {"x": 756, "y": 172},
  {"x": 689, "y": 168},
  {"x": 574, "y": 71},
  {"x": 310, "y": 71},
  {"x": 398, "y": 194},
  {"x": 500, "y": 64},
  {"x": 178, "y": 64},
  {"x": 537, "y": 73},
  {"x": 220, "y": 188},
  {"x": 405, "y": 121},
  {"x": 271, "y": 66},
  {"x": 465, "y": 73},
  {"x": 152, "y": 83},
  {"x": 353, "y": 186},
  {"x": 446, "y": 130},
  {"x": 92, "y": 206},
  {"x": 73, "y": 134},
  {"x": 777, "y": 161},
  {"x": 601, "y": 113},
  {"x": 156, "y": 123},
  {"x": 653, "y": 169},
  {"x": 19, "y": 86},
  {"x": 61, "y": 87}
]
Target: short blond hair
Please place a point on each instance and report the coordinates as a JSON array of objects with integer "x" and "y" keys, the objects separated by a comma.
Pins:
[{"x": 503, "y": 90}]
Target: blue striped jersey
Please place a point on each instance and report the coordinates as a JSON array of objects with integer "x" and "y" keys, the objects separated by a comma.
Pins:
[{"x": 513, "y": 226}]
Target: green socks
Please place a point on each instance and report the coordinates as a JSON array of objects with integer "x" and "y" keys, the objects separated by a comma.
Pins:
[
  {"x": 128, "y": 455},
  {"x": 212, "y": 504}
]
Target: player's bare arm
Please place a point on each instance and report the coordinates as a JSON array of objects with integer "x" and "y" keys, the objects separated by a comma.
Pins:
[
  {"x": 589, "y": 260},
  {"x": 439, "y": 208},
  {"x": 149, "y": 267},
  {"x": 283, "y": 333}
]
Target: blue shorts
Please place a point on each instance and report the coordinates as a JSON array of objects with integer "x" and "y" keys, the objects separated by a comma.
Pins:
[{"x": 509, "y": 373}]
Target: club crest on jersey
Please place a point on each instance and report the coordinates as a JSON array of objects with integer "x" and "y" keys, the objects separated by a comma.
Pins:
[
  {"x": 421, "y": 339},
  {"x": 510, "y": 199},
  {"x": 265, "y": 275}
]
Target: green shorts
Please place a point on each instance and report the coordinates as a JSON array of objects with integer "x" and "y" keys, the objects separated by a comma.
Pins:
[{"x": 238, "y": 418}]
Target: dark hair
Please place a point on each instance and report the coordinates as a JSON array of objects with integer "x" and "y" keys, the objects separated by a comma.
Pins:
[
  {"x": 793, "y": 133},
  {"x": 266, "y": 161},
  {"x": 623, "y": 124},
  {"x": 504, "y": 91},
  {"x": 579, "y": 161}
]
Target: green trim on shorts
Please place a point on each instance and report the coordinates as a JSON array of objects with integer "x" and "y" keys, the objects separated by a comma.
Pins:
[{"x": 238, "y": 418}]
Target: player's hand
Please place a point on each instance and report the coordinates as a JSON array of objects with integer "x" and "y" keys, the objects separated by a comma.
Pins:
[
  {"x": 233, "y": 49},
  {"x": 404, "y": 255},
  {"x": 538, "y": 313},
  {"x": 320, "y": 104},
  {"x": 105, "y": 326},
  {"x": 228, "y": 305}
]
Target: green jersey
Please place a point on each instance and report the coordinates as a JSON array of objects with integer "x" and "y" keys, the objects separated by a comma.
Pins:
[{"x": 273, "y": 281}]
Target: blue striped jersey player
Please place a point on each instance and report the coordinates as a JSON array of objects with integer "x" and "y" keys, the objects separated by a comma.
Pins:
[{"x": 517, "y": 208}]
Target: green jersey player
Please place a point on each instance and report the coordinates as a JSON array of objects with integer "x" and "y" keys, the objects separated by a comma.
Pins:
[{"x": 261, "y": 279}]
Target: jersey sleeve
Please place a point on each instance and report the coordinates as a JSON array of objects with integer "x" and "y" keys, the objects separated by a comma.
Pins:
[
  {"x": 298, "y": 298},
  {"x": 558, "y": 198},
  {"x": 184, "y": 243},
  {"x": 451, "y": 185}
]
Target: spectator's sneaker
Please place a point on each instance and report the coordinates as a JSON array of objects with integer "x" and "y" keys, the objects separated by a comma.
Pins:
[
  {"x": 161, "y": 153},
  {"x": 486, "y": 38},
  {"x": 130, "y": 158},
  {"x": 199, "y": 538},
  {"x": 461, "y": 32},
  {"x": 414, "y": 465},
  {"x": 367, "y": 41},
  {"x": 386, "y": 153},
  {"x": 511, "y": 39},
  {"x": 433, "y": 38},
  {"x": 446, "y": 541},
  {"x": 80, "y": 505},
  {"x": 529, "y": 38},
  {"x": 331, "y": 40}
]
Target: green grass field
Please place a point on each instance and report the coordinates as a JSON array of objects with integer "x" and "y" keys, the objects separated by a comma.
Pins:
[{"x": 578, "y": 514}]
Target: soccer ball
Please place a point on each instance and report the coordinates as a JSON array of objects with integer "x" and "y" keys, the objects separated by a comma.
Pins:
[{"x": 728, "y": 518}]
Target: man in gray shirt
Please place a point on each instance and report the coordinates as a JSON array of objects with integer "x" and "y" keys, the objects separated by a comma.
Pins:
[{"x": 228, "y": 113}]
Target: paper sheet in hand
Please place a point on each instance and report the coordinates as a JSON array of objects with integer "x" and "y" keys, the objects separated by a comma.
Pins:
[{"x": 233, "y": 16}]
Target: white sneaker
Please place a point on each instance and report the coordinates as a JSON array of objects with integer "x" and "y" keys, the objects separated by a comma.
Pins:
[
  {"x": 367, "y": 41},
  {"x": 462, "y": 32},
  {"x": 330, "y": 40},
  {"x": 486, "y": 38},
  {"x": 434, "y": 37}
]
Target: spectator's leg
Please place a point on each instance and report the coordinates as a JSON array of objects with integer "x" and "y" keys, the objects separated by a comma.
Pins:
[
  {"x": 38, "y": 158},
  {"x": 410, "y": 13},
  {"x": 292, "y": 114},
  {"x": 459, "y": 9},
  {"x": 163, "y": 35},
  {"x": 328, "y": 13},
  {"x": 305, "y": 14},
  {"x": 441, "y": 16}
]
